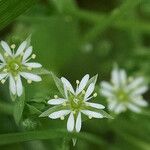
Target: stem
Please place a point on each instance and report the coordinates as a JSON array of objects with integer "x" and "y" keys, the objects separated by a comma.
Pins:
[{"x": 47, "y": 134}]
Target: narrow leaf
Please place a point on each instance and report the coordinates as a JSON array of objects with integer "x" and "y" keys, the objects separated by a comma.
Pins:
[
  {"x": 9, "y": 10},
  {"x": 59, "y": 84}
]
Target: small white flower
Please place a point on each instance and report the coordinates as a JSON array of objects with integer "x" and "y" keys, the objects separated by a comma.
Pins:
[
  {"x": 123, "y": 93},
  {"x": 15, "y": 65},
  {"x": 75, "y": 103}
]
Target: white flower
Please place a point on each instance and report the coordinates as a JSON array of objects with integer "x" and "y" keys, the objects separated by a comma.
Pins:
[
  {"x": 75, "y": 103},
  {"x": 15, "y": 65},
  {"x": 123, "y": 93}
]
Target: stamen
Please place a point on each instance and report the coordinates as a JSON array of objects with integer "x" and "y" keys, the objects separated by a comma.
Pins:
[
  {"x": 5, "y": 70},
  {"x": 55, "y": 96},
  {"x": 64, "y": 104},
  {"x": 90, "y": 117},
  {"x": 77, "y": 81},
  {"x": 13, "y": 46},
  {"x": 29, "y": 68},
  {"x": 62, "y": 117},
  {"x": 3, "y": 81},
  {"x": 95, "y": 94},
  {"x": 74, "y": 112},
  {"x": 33, "y": 56},
  {"x": 16, "y": 66},
  {"x": 29, "y": 81},
  {"x": 83, "y": 92}
]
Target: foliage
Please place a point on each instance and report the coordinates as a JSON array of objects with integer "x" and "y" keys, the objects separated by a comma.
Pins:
[{"x": 72, "y": 38}]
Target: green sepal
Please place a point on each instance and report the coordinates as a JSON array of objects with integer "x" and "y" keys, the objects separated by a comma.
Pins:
[
  {"x": 59, "y": 84},
  {"x": 19, "y": 107}
]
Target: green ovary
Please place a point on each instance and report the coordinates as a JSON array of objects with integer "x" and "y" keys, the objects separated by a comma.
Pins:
[
  {"x": 76, "y": 103},
  {"x": 122, "y": 96},
  {"x": 13, "y": 66}
]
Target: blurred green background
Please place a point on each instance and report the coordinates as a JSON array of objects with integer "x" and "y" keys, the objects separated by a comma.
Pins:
[{"x": 72, "y": 38}]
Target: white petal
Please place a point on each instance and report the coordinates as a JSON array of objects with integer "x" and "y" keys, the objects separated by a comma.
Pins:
[
  {"x": 134, "y": 108},
  {"x": 57, "y": 101},
  {"x": 78, "y": 122},
  {"x": 58, "y": 114},
  {"x": 135, "y": 83},
  {"x": 140, "y": 90},
  {"x": 112, "y": 104},
  {"x": 140, "y": 102},
  {"x": 82, "y": 84},
  {"x": 6, "y": 48},
  {"x": 19, "y": 86},
  {"x": 123, "y": 77},
  {"x": 119, "y": 108},
  {"x": 21, "y": 48},
  {"x": 30, "y": 76},
  {"x": 70, "y": 122},
  {"x": 12, "y": 85},
  {"x": 27, "y": 53},
  {"x": 89, "y": 91},
  {"x": 2, "y": 58},
  {"x": 115, "y": 77},
  {"x": 106, "y": 85},
  {"x": 93, "y": 114},
  {"x": 106, "y": 93},
  {"x": 33, "y": 65},
  {"x": 3, "y": 75},
  {"x": 67, "y": 84},
  {"x": 95, "y": 105}
]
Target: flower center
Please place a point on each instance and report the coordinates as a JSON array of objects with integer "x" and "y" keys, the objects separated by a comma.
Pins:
[
  {"x": 76, "y": 102},
  {"x": 13, "y": 66},
  {"x": 122, "y": 95}
]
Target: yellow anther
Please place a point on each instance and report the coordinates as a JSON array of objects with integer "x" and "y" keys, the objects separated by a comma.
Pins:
[
  {"x": 5, "y": 70},
  {"x": 29, "y": 81},
  {"x": 13, "y": 46},
  {"x": 77, "y": 81},
  {"x": 29, "y": 68},
  {"x": 90, "y": 117},
  {"x": 83, "y": 92},
  {"x": 74, "y": 112},
  {"x": 95, "y": 94},
  {"x": 33, "y": 56},
  {"x": 3, "y": 81},
  {"x": 55, "y": 96},
  {"x": 64, "y": 104},
  {"x": 62, "y": 117}
]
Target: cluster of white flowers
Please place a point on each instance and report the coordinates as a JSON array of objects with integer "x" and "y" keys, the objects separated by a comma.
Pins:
[
  {"x": 15, "y": 65},
  {"x": 124, "y": 93},
  {"x": 75, "y": 103}
]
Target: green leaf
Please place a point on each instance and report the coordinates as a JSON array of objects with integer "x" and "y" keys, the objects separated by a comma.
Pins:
[
  {"x": 105, "y": 114},
  {"x": 59, "y": 84},
  {"x": 33, "y": 110},
  {"x": 51, "y": 110},
  {"x": 18, "y": 108},
  {"x": 41, "y": 71},
  {"x": 10, "y": 9},
  {"x": 93, "y": 80},
  {"x": 47, "y": 134}
]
